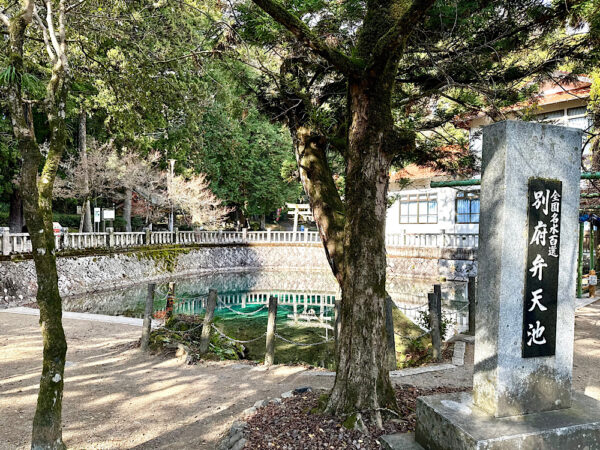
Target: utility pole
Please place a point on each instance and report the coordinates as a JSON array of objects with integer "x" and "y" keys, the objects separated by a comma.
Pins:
[{"x": 169, "y": 183}]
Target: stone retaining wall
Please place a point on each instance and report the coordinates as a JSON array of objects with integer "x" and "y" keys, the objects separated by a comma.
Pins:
[{"x": 84, "y": 273}]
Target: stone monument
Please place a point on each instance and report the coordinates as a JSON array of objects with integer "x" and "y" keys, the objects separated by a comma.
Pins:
[{"x": 522, "y": 396}]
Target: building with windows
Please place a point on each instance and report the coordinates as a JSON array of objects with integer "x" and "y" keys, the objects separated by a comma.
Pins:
[{"x": 418, "y": 208}]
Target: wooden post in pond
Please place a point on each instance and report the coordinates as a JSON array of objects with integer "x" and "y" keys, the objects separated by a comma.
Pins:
[
  {"x": 271, "y": 330},
  {"x": 471, "y": 289},
  {"x": 434, "y": 325},
  {"x": 211, "y": 304},
  {"x": 389, "y": 325},
  {"x": 170, "y": 300},
  {"x": 146, "y": 327},
  {"x": 437, "y": 290}
]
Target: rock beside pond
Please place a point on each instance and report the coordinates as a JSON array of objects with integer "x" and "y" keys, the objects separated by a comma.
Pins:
[{"x": 181, "y": 337}]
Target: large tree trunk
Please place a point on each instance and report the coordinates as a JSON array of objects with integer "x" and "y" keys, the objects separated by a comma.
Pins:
[
  {"x": 87, "y": 209},
  {"x": 324, "y": 199},
  {"x": 15, "y": 214},
  {"x": 127, "y": 209},
  {"x": 37, "y": 205},
  {"x": 36, "y": 191},
  {"x": 362, "y": 380}
]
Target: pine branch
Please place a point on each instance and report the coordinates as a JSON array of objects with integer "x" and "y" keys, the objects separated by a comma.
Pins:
[{"x": 305, "y": 35}]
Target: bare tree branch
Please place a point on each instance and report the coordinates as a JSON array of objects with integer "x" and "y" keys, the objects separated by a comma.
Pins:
[
  {"x": 51, "y": 31},
  {"x": 45, "y": 35}
]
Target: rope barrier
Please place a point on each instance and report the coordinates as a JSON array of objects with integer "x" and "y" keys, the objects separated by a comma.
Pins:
[
  {"x": 188, "y": 299},
  {"x": 413, "y": 338},
  {"x": 301, "y": 344},
  {"x": 223, "y": 305},
  {"x": 412, "y": 309},
  {"x": 237, "y": 340},
  {"x": 463, "y": 308}
]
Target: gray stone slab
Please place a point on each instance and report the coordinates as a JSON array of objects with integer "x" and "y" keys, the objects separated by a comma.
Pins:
[
  {"x": 452, "y": 422},
  {"x": 504, "y": 383},
  {"x": 399, "y": 441},
  {"x": 84, "y": 316}
]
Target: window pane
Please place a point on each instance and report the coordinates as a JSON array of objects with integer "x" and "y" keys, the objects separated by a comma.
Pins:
[
  {"x": 403, "y": 209},
  {"x": 462, "y": 218},
  {"x": 475, "y": 206},
  {"x": 433, "y": 219},
  {"x": 474, "y": 218},
  {"x": 412, "y": 219},
  {"x": 412, "y": 208},
  {"x": 552, "y": 115},
  {"x": 432, "y": 209},
  {"x": 579, "y": 122},
  {"x": 423, "y": 206},
  {"x": 462, "y": 206},
  {"x": 576, "y": 111}
]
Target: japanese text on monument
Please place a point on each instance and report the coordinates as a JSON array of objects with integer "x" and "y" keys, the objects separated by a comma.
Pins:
[{"x": 541, "y": 275}]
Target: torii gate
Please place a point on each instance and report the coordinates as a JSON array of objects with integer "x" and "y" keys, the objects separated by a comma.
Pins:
[{"x": 300, "y": 209}]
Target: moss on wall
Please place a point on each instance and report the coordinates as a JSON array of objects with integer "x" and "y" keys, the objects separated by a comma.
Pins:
[{"x": 165, "y": 258}]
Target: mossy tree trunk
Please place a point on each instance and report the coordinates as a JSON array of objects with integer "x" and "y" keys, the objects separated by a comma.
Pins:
[
  {"x": 357, "y": 251},
  {"x": 15, "y": 215},
  {"x": 36, "y": 190}
]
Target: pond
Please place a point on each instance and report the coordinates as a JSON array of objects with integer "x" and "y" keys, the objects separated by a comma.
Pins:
[{"x": 311, "y": 290}]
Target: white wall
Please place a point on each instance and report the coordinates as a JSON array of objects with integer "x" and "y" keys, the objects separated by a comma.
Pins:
[{"x": 446, "y": 198}]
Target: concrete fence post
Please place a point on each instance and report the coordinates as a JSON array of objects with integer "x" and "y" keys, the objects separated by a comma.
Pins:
[
  {"x": 211, "y": 304},
  {"x": 147, "y": 326},
  {"x": 111, "y": 237},
  {"x": 268, "y": 235},
  {"x": 443, "y": 236},
  {"x": 271, "y": 330},
  {"x": 6, "y": 243},
  {"x": 306, "y": 234},
  {"x": 176, "y": 236},
  {"x": 244, "y": 235},
  {"x": 434, "y": 325},
  {"x": 148, "y": 237},
  {"x": 295, "y": 307},
  {"x": 471, "y": 290}
]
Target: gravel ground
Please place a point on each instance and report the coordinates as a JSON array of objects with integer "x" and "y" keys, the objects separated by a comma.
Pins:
[{"x": 118, "y": 398}]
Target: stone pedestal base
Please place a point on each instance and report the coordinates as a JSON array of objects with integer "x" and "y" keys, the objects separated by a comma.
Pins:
[{"x": 452, "y": 422}]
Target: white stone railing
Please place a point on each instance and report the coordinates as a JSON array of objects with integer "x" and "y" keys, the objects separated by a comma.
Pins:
[
  {"x": 433, "y": 240},
  {"x": 15, "y": 243}
]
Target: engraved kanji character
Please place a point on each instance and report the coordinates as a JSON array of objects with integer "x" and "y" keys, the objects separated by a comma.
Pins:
[
  {"x": 541, "y": 199},
  {"x": 538, "y": 265},
  {"x": 539, "y": 234},
  {"x": 537, "y": 296},
  {"x": 535, "y": 334}
]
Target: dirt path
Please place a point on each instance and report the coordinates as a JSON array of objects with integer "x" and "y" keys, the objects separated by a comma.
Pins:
[{"x": 117, "y": 398}]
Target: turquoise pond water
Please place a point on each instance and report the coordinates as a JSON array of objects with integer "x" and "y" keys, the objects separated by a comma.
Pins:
[{"x": 248, "y": 292}]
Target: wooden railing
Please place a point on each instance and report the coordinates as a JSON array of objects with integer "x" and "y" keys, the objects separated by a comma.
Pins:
[{"x": 15, "y": 243}]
